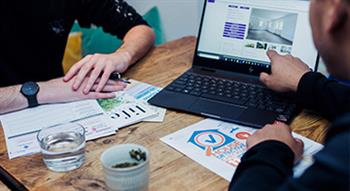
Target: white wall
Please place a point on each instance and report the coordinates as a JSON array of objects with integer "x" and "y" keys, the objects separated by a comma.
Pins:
[
  {"x": 179, "y": 17},
  {"x": 258, "y": 23},
  {"x": 289, "y": 24}
]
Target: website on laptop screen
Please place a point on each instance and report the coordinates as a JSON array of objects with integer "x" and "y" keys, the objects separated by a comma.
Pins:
[{"x": 242, "y": 31}]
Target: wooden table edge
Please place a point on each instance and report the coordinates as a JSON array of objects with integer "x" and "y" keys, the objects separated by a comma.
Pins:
[{"x": 11, "y": 182}]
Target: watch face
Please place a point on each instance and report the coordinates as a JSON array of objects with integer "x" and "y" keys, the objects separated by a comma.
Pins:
[{"x": 30, "y": 88}]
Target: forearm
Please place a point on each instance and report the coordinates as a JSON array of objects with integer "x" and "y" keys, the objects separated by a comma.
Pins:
[
  {"x": 53, "y": 91},
  {"x": 263, "y": 167},
  {"x": 137, "y": 42},
  {"x": 325, "y": 96},
  {"x": 11, "y": 99},
  {"x": 268, "y": 167}
]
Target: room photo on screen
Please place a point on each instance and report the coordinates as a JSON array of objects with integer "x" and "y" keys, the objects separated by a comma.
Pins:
[{"x": 272, "y": 26}]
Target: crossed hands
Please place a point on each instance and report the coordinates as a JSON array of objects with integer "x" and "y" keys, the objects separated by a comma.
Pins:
[{"x": 87, "y": 79}]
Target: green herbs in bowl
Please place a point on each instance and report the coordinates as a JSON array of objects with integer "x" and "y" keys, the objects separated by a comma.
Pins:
[{"x": 137, "y": 155}]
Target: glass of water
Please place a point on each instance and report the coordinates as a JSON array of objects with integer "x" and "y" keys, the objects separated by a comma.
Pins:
[{"x": 63, "y": 146}]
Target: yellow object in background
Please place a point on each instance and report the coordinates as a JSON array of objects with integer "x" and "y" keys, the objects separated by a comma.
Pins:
[{"x": 73, "y": 51}]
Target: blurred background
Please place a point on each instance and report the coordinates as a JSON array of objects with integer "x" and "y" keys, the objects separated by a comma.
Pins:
[{"x": 178, "y": 17}]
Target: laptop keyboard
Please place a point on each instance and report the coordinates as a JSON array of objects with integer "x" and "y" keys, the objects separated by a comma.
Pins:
[{"x": 233, "y": 92}]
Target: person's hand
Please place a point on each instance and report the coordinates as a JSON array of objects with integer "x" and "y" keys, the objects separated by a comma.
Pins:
[
  {"x": 286, "y": 72},
  {"x": 279, "y": 132},
  {"x": 97, "y": 66},
  {"x": 58, "y": 91}
]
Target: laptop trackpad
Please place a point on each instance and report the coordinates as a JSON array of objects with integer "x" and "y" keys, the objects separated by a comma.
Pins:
[{"x": 216, "y": 109}]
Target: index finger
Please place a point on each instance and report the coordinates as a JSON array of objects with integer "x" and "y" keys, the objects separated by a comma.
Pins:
[
  {"x": 271, "y": 54},
  {"x": 105, "y": 77},
  {"x": 75, "y": 68},
  {"x": 84, "y": 71}
]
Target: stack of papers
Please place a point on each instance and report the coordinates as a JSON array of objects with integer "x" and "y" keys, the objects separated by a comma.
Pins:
[
  {"x": 100, "y": 118},
  {"x": 21, "y": 128},
  {"x": 144, "y": 92},
  {"x": 125, "y": 110},
  {"x": 219, "y": 146},
  {"x": 130, "y": 106}
]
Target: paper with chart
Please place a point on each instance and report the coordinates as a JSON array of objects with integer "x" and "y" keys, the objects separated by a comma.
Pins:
[
  {"x": 125, "y": 110},
  {"x": 21, "y": 128},
  {"x": 219, "y": 146},
  {"x": 144, "y": 92}
]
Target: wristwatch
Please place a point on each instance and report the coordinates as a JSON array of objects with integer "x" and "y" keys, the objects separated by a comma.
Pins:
[{"x": 30, "y": 90}]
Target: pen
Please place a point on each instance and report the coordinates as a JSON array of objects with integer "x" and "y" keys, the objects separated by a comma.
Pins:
[{"x": 118, "y": 77}]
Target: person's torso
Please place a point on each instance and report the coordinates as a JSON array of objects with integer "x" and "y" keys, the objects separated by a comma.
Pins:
[
  {"x": 33, "y": 36},
  {"x": 335, "y": 157}
]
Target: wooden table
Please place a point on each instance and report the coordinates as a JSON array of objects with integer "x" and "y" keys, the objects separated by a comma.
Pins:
[
  {"x": 170, "y": 170},
  {"x": 3, "y": 187}
]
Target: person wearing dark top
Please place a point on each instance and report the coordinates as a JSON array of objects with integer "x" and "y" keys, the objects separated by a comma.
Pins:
[
  {"x": 272, "y": 151},
  {"x": 33, "y": 36}
]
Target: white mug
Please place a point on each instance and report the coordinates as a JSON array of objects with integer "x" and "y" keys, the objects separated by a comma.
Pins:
[{"x": 134, "y": 178}]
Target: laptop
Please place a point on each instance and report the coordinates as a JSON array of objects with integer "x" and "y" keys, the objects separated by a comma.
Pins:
[{"x": 234, "y": 36}]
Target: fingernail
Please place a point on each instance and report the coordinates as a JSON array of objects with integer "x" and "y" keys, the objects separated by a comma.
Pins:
[
  {"x": 299, "y": 140},
  {"x": 276, "y": 122}
]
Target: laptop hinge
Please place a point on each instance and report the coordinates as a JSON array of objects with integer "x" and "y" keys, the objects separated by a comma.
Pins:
[
  {"x": 204, "y": 70},
  {"x": 208, "y": 70}
]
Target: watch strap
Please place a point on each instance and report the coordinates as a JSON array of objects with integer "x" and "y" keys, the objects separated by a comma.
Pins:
[{"x": 32, "y": 101}]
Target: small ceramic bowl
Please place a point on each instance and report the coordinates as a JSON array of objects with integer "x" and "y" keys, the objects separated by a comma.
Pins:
[{"x": 134, "y": 178}]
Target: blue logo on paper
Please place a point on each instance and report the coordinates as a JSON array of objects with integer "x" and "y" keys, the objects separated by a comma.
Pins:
[{"x": 209, "y": 140}]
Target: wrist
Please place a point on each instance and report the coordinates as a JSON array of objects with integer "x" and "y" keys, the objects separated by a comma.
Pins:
[
  {"x": 295, "y": 85},
  {"x": 21, "y": 98},
  {"x": 44, "y": 94},
  {"x": 124, "y": 57}
]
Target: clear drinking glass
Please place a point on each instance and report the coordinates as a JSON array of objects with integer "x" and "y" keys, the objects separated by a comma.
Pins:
[{"x": 63, "y": 146}]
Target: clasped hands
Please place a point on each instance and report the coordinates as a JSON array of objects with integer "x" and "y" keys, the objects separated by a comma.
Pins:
[{"x": 87, "y": 79}]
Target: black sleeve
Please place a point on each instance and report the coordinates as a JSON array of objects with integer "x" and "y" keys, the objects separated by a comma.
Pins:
[
  {"x": 268, "y": 166},
  {"x": 330, "y": 170},
  {"x": 114, "y": 16},
  {"x": 263, "y": 167},
  {"x": 328, "y": 97}
]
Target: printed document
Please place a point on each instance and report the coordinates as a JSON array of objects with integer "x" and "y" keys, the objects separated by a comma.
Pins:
[
  {"x": 20, "y": 128},
  {"x": 144, "y": 92},
  {"x": 219, "y": 146}
]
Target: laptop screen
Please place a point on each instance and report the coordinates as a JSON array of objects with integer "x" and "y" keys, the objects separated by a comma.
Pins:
[{"x": 236, "y": 34}]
